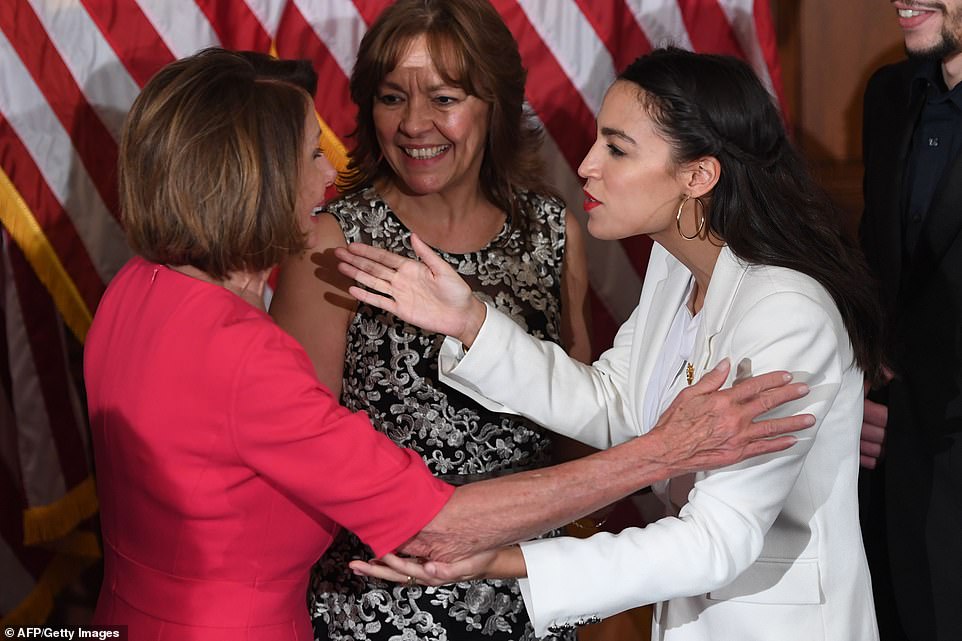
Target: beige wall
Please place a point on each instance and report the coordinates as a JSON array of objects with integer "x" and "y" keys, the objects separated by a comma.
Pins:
[{"x": 828, "y": 49}]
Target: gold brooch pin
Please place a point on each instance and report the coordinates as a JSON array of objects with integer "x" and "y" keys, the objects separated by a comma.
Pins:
[{"x": 690, "y": 372}]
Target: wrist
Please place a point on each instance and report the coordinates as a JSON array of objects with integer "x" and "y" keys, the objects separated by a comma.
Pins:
[
  {"x": 508, "y": 563},
  {"x": 475, "y": 316}
]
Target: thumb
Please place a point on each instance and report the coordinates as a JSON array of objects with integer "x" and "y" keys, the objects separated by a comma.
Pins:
[
  {"x": 427, "y": 255},
  {"x": 438, "y": 570}
]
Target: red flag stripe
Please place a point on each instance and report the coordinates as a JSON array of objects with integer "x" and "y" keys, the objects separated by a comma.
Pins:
[
  {"x": 573, "y": 127},
  {"x": 236, "y": 25},
  {"x": 296, "y": 39},
  {"x": 617, "y": 28},
  {"x": 371, "y": 9},
  {"x": 94, "y": 144},
  {"x": 765, "y": 37},
  {"x": 47, "y": 348},
  {"x": 708, "y": 27},
  {"x": 132, "y": 36},
  {"x": 49, "y": 214}
]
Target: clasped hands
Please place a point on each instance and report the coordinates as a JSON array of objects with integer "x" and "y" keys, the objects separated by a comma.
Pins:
[{"x": 506, "y": 562}]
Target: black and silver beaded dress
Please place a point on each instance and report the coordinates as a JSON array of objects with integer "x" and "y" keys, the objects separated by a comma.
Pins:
[{"x": 390, "y": 373}]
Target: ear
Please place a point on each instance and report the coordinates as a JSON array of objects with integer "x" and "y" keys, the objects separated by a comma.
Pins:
[{"x": 702, "y": 175}]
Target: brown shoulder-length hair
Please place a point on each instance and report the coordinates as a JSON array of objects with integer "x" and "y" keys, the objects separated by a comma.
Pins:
[
  {"x": 473, "y": 49},
  {"x": 209, "y": 163}
]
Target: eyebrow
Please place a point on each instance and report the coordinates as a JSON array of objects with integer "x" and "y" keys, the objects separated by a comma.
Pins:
[
  {"x": 430, "y": 89},
  {"x": 617, "y": 133}
]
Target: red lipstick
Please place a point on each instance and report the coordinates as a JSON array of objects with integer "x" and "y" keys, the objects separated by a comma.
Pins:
[{"x": 590, "y": 201}]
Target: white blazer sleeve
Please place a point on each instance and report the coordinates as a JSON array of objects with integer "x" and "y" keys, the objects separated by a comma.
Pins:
[
  {"x": 720, "y": 532},
  {"x": 537, "y": 379}
]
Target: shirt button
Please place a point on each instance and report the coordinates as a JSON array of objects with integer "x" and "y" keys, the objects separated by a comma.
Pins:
[{"x": 933, "y": 142}]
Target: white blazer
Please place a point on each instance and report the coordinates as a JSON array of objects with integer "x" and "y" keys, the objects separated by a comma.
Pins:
[{"x": 769, "y": 549}]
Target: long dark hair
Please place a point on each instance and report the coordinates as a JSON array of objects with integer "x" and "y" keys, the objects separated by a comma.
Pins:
[
  {"x": 765, "y": 206},
  {"x": 472, "y": 48}
]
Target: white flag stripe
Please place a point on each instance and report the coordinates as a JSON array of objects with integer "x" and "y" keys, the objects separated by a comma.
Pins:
[
  {"x": 180, "y": 24},
  {"x": 575, "y": 45},
  {"x": 661, "y": 21},
  {"x": 339, "y": 25},
  {"x": 52, "y": 150},
  {"x": 91, "y": 60},
  {"x": 36, "y": 448},
  {"x": 742, "y": 20},
  {"x": 268, "y": 13}
]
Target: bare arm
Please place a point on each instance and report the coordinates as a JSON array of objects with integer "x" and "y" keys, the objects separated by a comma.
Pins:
[
  {"x": 702, "y": 429},
  {"x": 312, "y": 304},
  {"x": 575, "y": 331},
  {"x": 575, "y": 327}
]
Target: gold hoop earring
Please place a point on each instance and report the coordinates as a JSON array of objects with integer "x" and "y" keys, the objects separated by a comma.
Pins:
[{"x": 699, "y": 216}]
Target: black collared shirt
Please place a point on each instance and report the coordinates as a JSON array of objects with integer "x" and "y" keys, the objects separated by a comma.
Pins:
[{"x": 936, "y": 141}]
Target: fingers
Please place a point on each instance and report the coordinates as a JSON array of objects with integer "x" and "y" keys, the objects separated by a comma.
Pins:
[
  {"x": 352, "y": 264},
  {"x": 372, "y": 254},
  {"x": 773, "y": 427},
  {"x": 868, "y": 462},
  {"x": 768, "y": 446},
  {"x": 771, "y": 398},
  {"x": 713, "y": 379},
  {"x": 372, "y": 298},
  {"x": 396, "y": 569},
  {"x": 427, "y": 255},
  {"x": 753, "y": 386},
  {"x": 876, "y": 413}
]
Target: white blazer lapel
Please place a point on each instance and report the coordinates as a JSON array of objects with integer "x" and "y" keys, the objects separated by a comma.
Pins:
[
  {"x": 725, "y": 280},
  {"x": 665, "y": 282}
]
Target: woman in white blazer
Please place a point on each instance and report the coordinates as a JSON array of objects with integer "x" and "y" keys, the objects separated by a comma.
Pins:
[{"x": 749, "y": 263}]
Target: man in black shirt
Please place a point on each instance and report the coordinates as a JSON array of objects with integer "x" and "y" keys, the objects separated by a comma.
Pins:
[{"x": 912, "y": 234}]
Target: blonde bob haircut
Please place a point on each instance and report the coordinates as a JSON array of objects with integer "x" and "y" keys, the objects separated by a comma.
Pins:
[{"x": 209, "y": 164}]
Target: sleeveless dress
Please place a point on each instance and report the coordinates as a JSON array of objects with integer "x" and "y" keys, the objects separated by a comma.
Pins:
[{"x": 390, "y": 373}]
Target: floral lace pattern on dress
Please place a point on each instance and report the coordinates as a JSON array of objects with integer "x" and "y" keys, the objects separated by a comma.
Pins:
[{"x": 390, "y": 373}]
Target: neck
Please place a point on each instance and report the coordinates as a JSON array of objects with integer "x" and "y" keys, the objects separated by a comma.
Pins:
[
  {"x": 952, "y": 69},
  {"x": 457, "y": 220},
  {"x": 699, "y": 256},
  {"x": 249, "y": 286},
  {"x": 452, "y": 205}
]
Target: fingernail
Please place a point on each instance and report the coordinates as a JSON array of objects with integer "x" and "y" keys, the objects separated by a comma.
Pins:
[
  {"x": 786, "y": 377},
  {"x": 809, "y": 420},
  {"x": 802, "y": 389}
]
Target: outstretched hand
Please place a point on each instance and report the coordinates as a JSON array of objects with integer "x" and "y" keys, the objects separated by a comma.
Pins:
[
  {"x": 409, "y": 570},
  {"x": 706, "y": 428},
  {"x": 426, "y": 292}
]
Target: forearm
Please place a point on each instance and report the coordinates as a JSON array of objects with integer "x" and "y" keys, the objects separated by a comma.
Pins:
[{"x": 493, "y": 513}]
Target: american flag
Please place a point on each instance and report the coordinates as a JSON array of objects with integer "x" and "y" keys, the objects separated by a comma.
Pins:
[{"x": 69, "y": 71}]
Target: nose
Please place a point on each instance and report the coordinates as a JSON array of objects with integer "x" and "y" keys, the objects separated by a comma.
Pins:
[
  {"x": 588, "y": 167},
  {"x": 328, "y": 173},
  {"x": 416, "y": 117}
]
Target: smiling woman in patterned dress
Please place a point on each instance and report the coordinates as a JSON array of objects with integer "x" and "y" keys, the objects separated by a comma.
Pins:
[{"x": 445, "y": 150}]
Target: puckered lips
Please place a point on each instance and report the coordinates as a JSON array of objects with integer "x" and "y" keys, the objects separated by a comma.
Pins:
[{"x": 590, "y": 201}]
